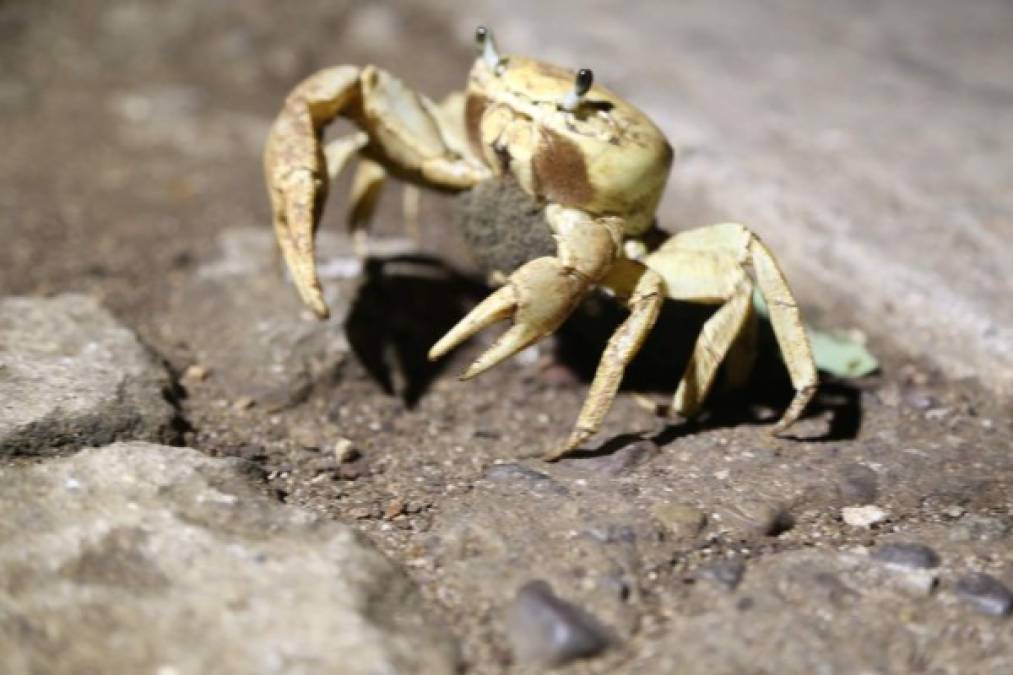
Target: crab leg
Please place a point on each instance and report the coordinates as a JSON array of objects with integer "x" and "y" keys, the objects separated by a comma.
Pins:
[
  {"x": 644, "y": 292},
  {"x": 707, "y": 265},
  {"x": 402, "y": 132},
  {"x": 542, "y": 293}
]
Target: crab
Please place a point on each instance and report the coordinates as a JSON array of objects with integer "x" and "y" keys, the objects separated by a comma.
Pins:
[{"x": 597, "y": 164}]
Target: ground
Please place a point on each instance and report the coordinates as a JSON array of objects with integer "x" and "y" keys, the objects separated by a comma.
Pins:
[{"x": 869, "y": 147}]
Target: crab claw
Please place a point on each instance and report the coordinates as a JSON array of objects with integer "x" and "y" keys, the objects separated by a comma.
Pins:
[
  {"x": 296, "y": 171},
  {"x": 538, "y": 296},
  {"x": 294, "y": 232}
]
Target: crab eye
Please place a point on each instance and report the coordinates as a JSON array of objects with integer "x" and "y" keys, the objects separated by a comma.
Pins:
[
  {"x": 481, "y": 33},
  {"x": 581, "y": 85},
  {"x": 486, "y": 44}
]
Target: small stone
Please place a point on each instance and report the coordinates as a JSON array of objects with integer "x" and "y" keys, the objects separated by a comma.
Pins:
[
  {"x": 907, "y": 555},
  {"x": 243, "y": 403},
  {"x": 196, "y": 373},
  {"x": 394, "y": 508},
  {"x": 919, "y": 399},
  {"x": 535, "y": 480},
  {"x": 858, "y": 485},
  {"x": 615, "y": 463},
  {"x": 612, "y": 534},
  {"x": 985, "y": 593},
  {"x": 683, "y": 521},
  {"x": 546, "y": 630},
  {"x": 863, "y": 516},
  {"x": 954, "y": 511},
  {"x": 616, "y": 585},
  {"x": 979, "y": 528},
  {"x": 756, "y": 517},
  {"x": 344, "y": 451},
  {"x": 727, "y": 573}
]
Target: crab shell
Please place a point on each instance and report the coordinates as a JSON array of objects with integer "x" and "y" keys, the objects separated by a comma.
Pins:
[{"x": 606, "y": 157}]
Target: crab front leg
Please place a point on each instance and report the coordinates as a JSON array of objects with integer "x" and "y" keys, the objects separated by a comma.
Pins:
[
  {"x": 402, "y": 135},
  {"x": 708, "y": 265},
  {"x": 542, "y": 293},
  {"x": 643, "y": 290}
]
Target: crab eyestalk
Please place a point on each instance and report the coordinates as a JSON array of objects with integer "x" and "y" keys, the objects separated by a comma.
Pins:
[
  {"x": 581, "y": 85},
  {"x": 486, "y": 44}
]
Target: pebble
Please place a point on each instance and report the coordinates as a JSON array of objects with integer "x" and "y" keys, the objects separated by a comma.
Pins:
[
  {"x": 727, "y": 573},
  {"x": 907, "y": 555},
  {"x": 986, "y": 594},
  {"x": 545, "y": 630},
  {"x": 975, "y": 527},
  {"x": 394, "y": 508},
  {"x": 196, "y": 373},
  {"x": 863, "y": 516},
  {"x": 243, "y": 403},
  {"x": 683, "y": 521},
  {"x": 612, "y": 534},
  {"x": 344, "y": 451},
  {"x": 517, "y": 473},
  {"x": 756, "y": 517},
  {"x": 615, "y": 463},
  {"x": 858, "y": 485}
]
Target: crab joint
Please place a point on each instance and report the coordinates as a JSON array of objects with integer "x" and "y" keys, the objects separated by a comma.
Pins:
[
  {"x": 581, "y": 85},
  {"x": 487, "y": 48}
]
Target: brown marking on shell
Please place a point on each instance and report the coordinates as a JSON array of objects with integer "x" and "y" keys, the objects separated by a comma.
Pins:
[
  {"x": 560, "y": 171},
  {"x": 474, "y": 108}
]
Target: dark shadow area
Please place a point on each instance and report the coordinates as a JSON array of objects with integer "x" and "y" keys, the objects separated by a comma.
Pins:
[
  {"x": 404, "y": 305},
  {"x": 658, "y": 368},
  {"x": 407, "y": 303}
]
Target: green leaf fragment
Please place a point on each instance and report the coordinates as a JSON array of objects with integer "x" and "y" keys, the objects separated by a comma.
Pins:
[{"x": 835, "y": 351}]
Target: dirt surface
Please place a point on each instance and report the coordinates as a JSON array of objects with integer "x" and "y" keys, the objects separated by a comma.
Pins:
[{"x": 132, "y": 136}]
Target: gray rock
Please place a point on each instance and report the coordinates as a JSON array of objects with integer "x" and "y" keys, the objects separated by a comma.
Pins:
[
  {"x": 143, "y": 558},
  {"x": 71, "y": 375},
  {"x": 907, "y": 555},
  {"x": 980, "y": 528},
  {"x": 520, "y": 474},
  {"x": 858, "y": 485},
  {"x": 752, "y": 517},
  {"x": 727, "y": 573},
  {"x": 683, "y": 521},
  {"x": 546, "y": 630},
  {"x": 246, "y": 324},
  {"x": 985, "y": 593}
]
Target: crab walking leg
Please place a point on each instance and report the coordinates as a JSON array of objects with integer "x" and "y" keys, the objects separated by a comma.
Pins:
[
  {"x": 707, "y": 266},
  {"x": 644, "y": 292},
  {"x": 401, "y": 130},
  {"x": 411, "y": 198},
  {"x": 540, "y": 294},
  {"x": 367, "y": 185}
]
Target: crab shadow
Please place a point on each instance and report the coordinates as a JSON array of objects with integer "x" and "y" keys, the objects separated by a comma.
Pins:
[
  {"x": 403, "y": 306},
  {"x": 659, "y": 366},
  {"x": 406, "y": 303}
]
